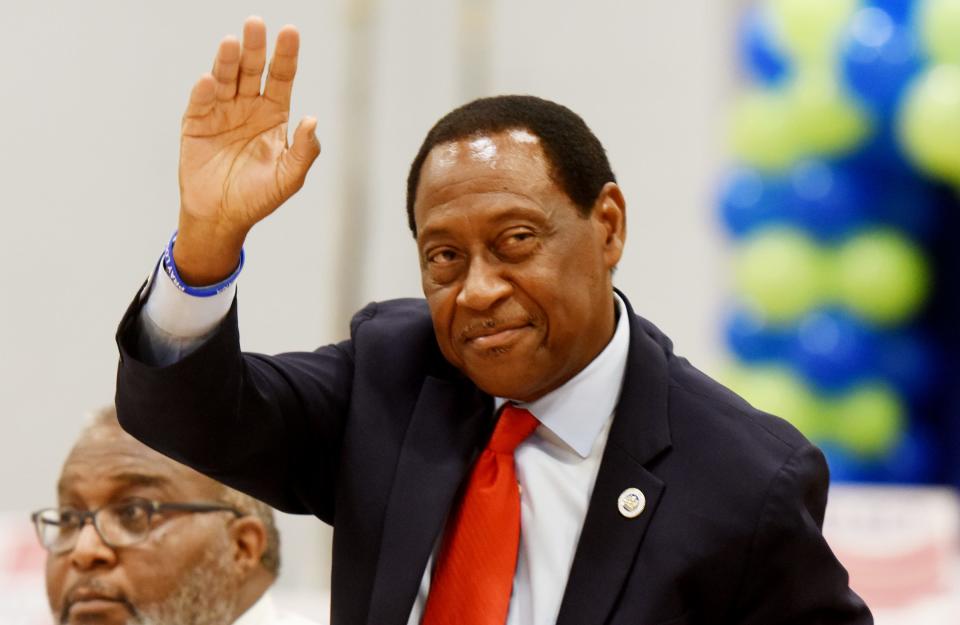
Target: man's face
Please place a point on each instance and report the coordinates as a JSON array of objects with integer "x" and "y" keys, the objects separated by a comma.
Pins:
[
  {"x": 517, "y": 279},
  {"x": 181, "y": 573}
]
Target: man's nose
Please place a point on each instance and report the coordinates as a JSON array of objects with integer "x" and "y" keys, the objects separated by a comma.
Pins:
[
  {"x": 90, "y": 550},
  {"x": 483, "y": 286}
]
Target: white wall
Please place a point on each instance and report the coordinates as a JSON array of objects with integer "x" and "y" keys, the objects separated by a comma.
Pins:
[{"x": 90, "y": 110}]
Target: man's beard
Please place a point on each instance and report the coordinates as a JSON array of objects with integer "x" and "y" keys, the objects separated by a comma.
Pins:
[{"x": 205, "y": 596}]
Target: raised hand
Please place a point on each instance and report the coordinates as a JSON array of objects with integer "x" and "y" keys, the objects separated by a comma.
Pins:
[{"x": 235, "y": 164}]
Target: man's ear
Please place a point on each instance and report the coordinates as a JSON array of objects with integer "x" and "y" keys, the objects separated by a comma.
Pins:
[
  {"x": 249, "y": 539},
  {"x": 610, "y": 213}
]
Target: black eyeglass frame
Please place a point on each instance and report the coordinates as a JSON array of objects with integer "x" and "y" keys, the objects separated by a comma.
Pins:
[{"x": 152, "y": 508}]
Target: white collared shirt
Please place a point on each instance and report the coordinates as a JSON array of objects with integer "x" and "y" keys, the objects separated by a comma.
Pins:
[
  {"x": 264, "y": 612},
  {"x": 556, "y": 466}
]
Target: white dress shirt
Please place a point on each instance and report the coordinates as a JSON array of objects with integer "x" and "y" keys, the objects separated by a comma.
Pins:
[
  {"x": 264, "y": 612},
  {"x": 556, "y": 466}
]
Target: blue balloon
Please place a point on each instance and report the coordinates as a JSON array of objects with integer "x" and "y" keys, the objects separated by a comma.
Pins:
[
  {"x": 881, "y": 150},
  {"x": 833, "y": 350},
  {"x": 900, "y": 10},
  {"x": 914, "y": 460},
  {"x": 827, "y": 199},
  {"x": 904, "y": 200},
  {"x": 908, "y": 360},
  {"x": 760, "y": 51},
  {"x": 879, "y": 58},
  {"x": 911, "y": 205},
  {"x": 749, "y": 200},
  {"x": 753, "y": 340}
]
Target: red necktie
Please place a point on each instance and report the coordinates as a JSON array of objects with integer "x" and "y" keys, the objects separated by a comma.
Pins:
[{"x": 473, "y": 579}]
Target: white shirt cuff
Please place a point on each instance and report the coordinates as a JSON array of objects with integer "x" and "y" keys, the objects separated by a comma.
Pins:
[{"x": 181, "y": 316}]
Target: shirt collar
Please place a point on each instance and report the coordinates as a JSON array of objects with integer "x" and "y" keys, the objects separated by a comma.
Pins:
[
  {"x": 262, "y": 612},
  {"x": 577, "y": 411}
]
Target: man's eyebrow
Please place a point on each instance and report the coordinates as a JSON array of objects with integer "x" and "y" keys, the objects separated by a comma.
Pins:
[
  {"x": 432, "y": 232},
  {"x": 124, "y": 480},
  {"x": 144, "y": 480}
]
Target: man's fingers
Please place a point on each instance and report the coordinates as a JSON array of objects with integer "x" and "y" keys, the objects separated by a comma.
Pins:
[
  {"x": 298, "y": 158},
  {"x": 253, "y": 56},
  {"x": 225, "y": 68},
  {"x": 203, "y": 97},
  {"x": 283, "y": 66}
]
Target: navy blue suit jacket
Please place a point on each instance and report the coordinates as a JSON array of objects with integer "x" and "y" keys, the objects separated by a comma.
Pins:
[{"x": 375, "y": 435}]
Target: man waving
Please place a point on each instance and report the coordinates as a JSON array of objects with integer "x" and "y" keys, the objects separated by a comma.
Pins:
[{"x": 518, "y": 447}]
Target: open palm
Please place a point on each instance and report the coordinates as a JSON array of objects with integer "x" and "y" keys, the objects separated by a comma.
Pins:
[{"x": 235, "y": 165}]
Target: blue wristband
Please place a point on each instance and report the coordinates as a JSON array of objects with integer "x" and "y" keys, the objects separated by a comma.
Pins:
[{"x": 197, "y": 291}]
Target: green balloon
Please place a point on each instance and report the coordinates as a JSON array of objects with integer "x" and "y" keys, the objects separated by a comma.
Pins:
[
  {"x": 764, "y": 131},
  {"x": 868, "y": 421},
  {"x": 928, "y": 122},
  {"x": 811, "y": 29},
  {"x": 781, "y": 273},
  {"x": 881, "y": 276},
  {"x": 778, "y": 391},
  {"x": 827, "y": 120},
  {"x": 940, "y": 30}
]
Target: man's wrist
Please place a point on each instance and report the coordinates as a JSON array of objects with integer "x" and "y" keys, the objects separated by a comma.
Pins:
[
  {"x": 191, "y": 287},
  {"x": 206, "y": 253}
]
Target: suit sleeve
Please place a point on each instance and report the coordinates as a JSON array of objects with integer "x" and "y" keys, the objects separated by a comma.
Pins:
[
  {"x": 270, "y": 426},
  {"x": 792, "y": 576}
]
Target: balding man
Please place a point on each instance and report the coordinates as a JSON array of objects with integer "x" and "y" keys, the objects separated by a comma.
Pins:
[{"x": 138, "y": 538}]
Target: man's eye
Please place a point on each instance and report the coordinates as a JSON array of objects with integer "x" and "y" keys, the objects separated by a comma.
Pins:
[
  {"x": 131, "y": 515},
  {"x": 521, "y": 242},
  {"x": 442, "y": 257},
  {"x": 68, "y": 518},
  {"x": 131, "y": 511}
]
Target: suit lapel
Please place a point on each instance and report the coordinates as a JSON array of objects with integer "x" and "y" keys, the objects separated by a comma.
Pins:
[
  {"x": 450, "y": 422},
  {"x": 609, "y": 541}
]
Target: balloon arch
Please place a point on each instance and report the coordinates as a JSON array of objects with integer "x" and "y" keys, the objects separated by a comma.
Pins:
[{"x": 844, "y": 213}]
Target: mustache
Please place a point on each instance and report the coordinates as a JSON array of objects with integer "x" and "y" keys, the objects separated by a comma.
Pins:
[
  {"x": 93, "y": 588},
  {"x": 483, "y": 327}
]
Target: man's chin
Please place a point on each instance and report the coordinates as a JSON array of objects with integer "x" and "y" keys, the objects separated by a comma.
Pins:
[{"x": 508, "y": 382}]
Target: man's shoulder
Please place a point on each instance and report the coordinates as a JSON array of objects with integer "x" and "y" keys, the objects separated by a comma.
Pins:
[
  {"x": 728, "y": 457},
  {"x": 407, "y": 312},
  {"x": 713, "y": 408},
  {"x": 706, "y": 416},
  {"x": 397, "y": 332},
  {"x": 393, "y": 324}
]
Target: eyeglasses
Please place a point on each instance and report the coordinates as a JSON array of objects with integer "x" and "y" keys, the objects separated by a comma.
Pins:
[{"x": 119, "y": 524}]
